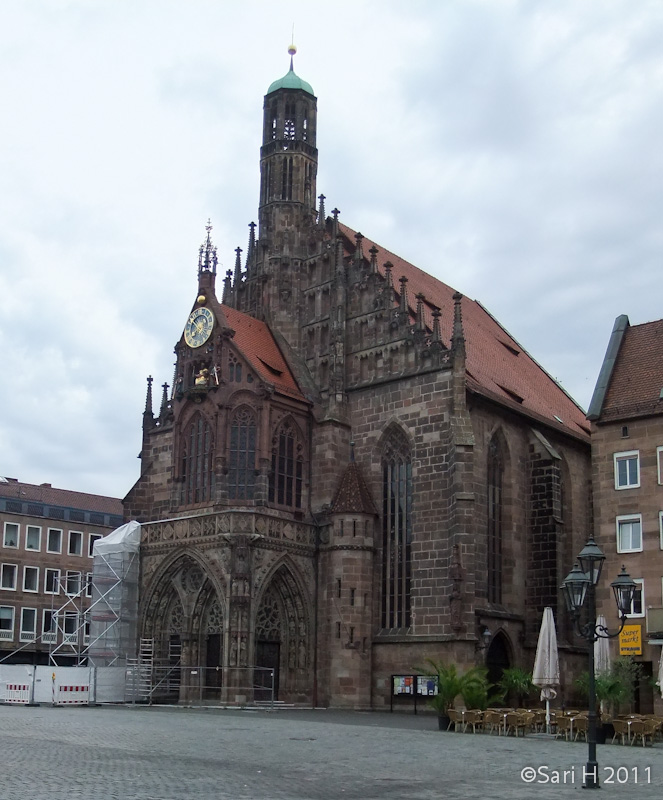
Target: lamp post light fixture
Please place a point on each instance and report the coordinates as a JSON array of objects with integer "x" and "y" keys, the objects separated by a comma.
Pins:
[{"x": 580, "y": 592}]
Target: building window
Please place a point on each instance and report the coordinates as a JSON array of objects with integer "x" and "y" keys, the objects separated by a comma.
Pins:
[
  {"x": 660, "y": 528},
  {"x": 28, "y": 624},
  {"x": 11, "y": 535},
  {"x": 33, "y": 538},
  {"x": 6, "y": 622},
  {"x": 627, "y": 470},
  {"x": 396, "y": 531},
  {"x": 54, "y": 543},
  {"x": 31, "y": 579},
  {"x": 72, "y": 582},
  {"x": 88, "y": 584},
  {"x": 197, "y": 462},
  {"x": 638, "y": 604},
  {"x": 75, "y": 543},
  {"x": 659, "y": 463},
  {"x": 494, "y": 539},
  {"x": 8, "y": 577},
  {"x": 48, "y": 627},
  {"x": 242, "y": 455},
  {"x": 234, "y": 370},
  {"x": 70, "y": 627},
  {"x": 629, "y": 533},
  {"x": 287, "y": 475},
  {"x": 52, "y": 581},
  {"x": 94, "y": 537}
]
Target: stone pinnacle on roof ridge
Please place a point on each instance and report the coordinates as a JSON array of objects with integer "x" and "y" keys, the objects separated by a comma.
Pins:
[{"x": 207, "y": 258}]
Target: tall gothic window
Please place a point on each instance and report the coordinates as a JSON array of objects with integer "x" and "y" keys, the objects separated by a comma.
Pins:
[
  {"x": 396, "y": 531},
  {"x": 197, "y": 462},
  {"x": 286, "y": 479},
  {"x": 286, "y": 178},
  {"x": 290, "y": 124},
  {"x": 494, "y": 538},
  {"x": 242, "y": 460}
]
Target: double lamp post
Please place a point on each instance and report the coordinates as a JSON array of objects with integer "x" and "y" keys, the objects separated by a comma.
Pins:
[{"x": 580, "y": 592}]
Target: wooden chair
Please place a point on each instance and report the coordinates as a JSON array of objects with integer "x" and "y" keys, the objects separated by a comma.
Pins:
[
  {"x": 455, "y": 719},
  {"x": 492, "y": 721},
  {"x": 473, "y": 719},
  {"x": 516, "y": 723},
  {"x": 643, "y": 729},
  {"x": 563, "y": 724},
  {"x": 580, "y": 726},
  {"x": 621, "y": 727}
]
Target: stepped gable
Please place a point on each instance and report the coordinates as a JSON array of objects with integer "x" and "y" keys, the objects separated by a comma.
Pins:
[
  {"x": 636, "y": 382},
  {"x": 258, "y": 346},
  {"x": 48, "y": 495},
  {"x": 352, "y": 495},
  {"x": 498, "y": 367}
]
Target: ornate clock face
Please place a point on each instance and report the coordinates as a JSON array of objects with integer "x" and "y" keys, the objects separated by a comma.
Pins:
[{"x": 198, "y": 328}]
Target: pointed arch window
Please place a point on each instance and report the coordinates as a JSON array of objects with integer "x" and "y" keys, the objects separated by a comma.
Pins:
[
  {"x": 287, "y": 475},
  {"x": 286, "y": 178},
  {"x": 242, "y": 455},
  {"x": 197, "y": 462},
  {"x": 396, "y": 531},
  {"x": 495, "y": 515}
]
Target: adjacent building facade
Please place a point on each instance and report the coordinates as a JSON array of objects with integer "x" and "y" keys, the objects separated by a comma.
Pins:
[
  {"x": 46, "y": 567},
  {"x": 626, "y": 414},
  {"x": 356, "y": 468}
]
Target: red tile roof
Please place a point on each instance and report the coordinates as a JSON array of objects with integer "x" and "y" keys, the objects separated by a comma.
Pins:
[
  {"x": 258, "y": 346},
  {"x": 497, "y": 366},
  {"x": 46, "y": 494},
  {"x": 637, "y": 377}
]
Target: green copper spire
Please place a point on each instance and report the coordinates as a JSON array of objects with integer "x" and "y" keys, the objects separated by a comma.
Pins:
[{"x": 291, "y": 80}]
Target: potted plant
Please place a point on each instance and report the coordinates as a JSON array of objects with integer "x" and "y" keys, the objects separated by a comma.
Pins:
[
  {"x": 451, "y": 684},
  {"x": 611, "y": 689},
  {"x": 516, "y": 681}
]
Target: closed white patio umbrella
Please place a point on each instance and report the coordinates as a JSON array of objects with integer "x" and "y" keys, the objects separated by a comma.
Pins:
[
  {"x": 601, "y": 649},
  {"x": 659, "y": 680},
  {"x": 546, "y": 663}
]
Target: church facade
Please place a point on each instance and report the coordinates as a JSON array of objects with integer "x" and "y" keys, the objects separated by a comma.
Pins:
[{"x": 356, "y": 467}]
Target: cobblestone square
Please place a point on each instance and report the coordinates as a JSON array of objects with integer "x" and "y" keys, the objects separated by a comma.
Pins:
[{"x": 139, "y": 753}]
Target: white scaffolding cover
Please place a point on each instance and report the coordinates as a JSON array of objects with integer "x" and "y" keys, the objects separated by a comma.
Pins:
[{"x": 114, "y": 609}]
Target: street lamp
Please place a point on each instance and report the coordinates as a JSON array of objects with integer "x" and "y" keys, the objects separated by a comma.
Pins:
[{"x": 580, "y": 586}]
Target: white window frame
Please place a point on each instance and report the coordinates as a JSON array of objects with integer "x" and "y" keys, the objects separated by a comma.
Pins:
[
  {"x": 660, "y": 528},
  {"x": 28, "y": 530},
  {"x": 9, "y": 588},
  {"x": 48, "y": 540},
  {"x": 626, "y": 455},
  {"x": 27, "y": 635},
  {"x": 79, "y": 550},
  {"x": 88, "y": 584},
  {"x": 641, "y": 583},
  {"x": 25, "y": 575},
  {"x": 94, "y": 537},
  {"x": 624, "y": 518},
  {"x": 69, "y": 637},
  {"x": 57, "y": 579},
  {"x": 659, "y": 464},
  {"x": 49, "y": 634},
  {"x": 70, "y": 573},
  {"x": 7, "y": 634},
  {"x": 18, "y": 535}
]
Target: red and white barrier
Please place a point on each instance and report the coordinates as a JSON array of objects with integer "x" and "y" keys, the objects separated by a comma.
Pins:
[
  {"x": 17, "y": 693},
  {"x": 73, "y": 695}
]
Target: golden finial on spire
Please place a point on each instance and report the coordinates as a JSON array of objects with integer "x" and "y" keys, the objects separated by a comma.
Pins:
[{"x": 292, "y": 49}]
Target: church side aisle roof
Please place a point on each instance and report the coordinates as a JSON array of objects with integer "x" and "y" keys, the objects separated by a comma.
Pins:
[
  {"x": 258, "y": 346},
  {"x": 497, "y": 365}
]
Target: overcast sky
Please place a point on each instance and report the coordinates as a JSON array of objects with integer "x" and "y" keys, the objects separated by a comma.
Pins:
[{"x": 512, "y": 149}]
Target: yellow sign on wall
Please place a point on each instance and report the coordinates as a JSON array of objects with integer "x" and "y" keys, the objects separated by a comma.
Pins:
[{"x": 630, "y": 641}]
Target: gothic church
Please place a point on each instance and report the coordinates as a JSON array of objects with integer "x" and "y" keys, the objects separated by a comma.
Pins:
[{"x": 356, "y": 468}]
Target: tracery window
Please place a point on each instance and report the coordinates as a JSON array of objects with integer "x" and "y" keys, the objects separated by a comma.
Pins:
[
  {"x": 234, "y": 370},
  {"x": 197, "y": 462},
  {"x": 396, "y": 531},
  {"x": 287, "y": 475},
  {"x": 290, "y": 125},
  {"x": 494, "y": 534},
  {"x": 242, "y": 455},
  {"x": 286, "y": 178}
]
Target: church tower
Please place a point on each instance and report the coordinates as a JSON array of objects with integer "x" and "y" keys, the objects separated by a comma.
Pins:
[{"x": 271, "y": 285}]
